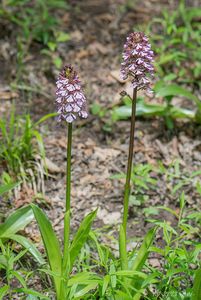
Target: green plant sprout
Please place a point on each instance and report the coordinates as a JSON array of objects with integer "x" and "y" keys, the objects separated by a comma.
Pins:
[
  {"x": 21, "y": 143},
  {"x": 176, "y": 39}
]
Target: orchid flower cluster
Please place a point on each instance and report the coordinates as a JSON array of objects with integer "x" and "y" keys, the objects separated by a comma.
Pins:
[
  {"x": 70, "y": 100},
  {"x": 138, "y": 61}
]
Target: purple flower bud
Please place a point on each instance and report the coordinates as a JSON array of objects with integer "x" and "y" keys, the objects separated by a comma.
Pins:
[
  {"x": 70, "y": 100},
  {"x": 138, "y": 61}
]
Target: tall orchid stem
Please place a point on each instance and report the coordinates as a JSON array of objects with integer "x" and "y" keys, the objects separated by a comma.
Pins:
[
  {"x": 65, "y": 268},
  {"x": 68, "y": 167},
  {"x": 129, "y": 165}
]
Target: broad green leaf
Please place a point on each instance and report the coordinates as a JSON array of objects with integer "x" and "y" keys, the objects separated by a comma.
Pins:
[
  {"x": 165, "y": 58},
  {"x": 49, "y": 272},
  {"x": 16, "y": 221},
  {"x": 27, "y": 245},
  {"x": 178, "y": 113},
  {"x": 197, "y": 286},
  {"x": 18, "y": 277},
  {"x": 151, "y": 110},
  {"x": 174, "y": 271},
  {"x": 138, "y": 295},
  {"x": 7, "y": 187},
  {"x": 85, "y": 290},
  {"x": 142, "y": 109},
  {"x": 32, "y": 292},
  {"x": 126, "y": 287},
  {"x": 57, "y": 62},
  {"x": 106, "y": 281},
  {"x": 52, "y": 46},
  {"x": 143, "y": 252},
  {"x": 62, "y": 37},
  {"x": 173, "y": 212},
  {"x": 81, "y": 236},
  {"x": 176, "y": 90},
  {"x": 120, "y": 295},
  {"x": 3, "y": 291},
  {"x": 3, "y": 261},
  {"x": 82, "y": 277},
  {"x": 51, "y": 244},
  {"x": 145, "y": 109},
  {"x": 130, "y": 273}
]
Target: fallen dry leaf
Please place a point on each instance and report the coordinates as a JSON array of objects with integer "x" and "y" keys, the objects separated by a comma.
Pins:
[{"x": 52, "y": 167}]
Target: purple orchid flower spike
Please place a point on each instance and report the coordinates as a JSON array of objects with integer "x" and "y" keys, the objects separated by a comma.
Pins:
[
  {"x": 70, "y": 100},
  {"x": 138, "y": 61}
]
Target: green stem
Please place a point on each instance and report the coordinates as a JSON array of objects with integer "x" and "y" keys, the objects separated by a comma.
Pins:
[
  {"x": 65, "y": 264},
  {"x": 129, "y": 165},
  {"x": 68, "y": 167}
]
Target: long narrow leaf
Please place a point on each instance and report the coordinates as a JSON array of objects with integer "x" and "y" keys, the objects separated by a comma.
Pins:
[
  {"x": 51, "y": 244},
  {"x": 85, "y": 290},
  {"x": 102, "y": 257},
  {"x": 44, "y": 118},
  {"x": 3, "y": 291},
  {"x": 29, "y": 246},
  {"x": 7, "y": 187},
  {"x": 16, "y": 221},
  {"x": 139, "y": 262},
  {"x": 197, "y": 286},
  {"x": 176, "y": 90},
  {"x": 81, "y": 236},
  {"x": 144, "y": 250},
  {"x": 32, "y": 292}
]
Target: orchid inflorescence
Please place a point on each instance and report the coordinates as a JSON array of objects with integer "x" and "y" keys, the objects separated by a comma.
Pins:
[
  {"x": 138, "y": 61},
  {"x": 70, "y": 101}
]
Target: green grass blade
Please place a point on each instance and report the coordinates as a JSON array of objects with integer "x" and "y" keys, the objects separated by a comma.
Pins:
[
  {"x": 106, "y": 282},
  {"x": 144, "y": 250},
  {"x": 102, "y": 257},
  {"x": 7, "y": 187},
  {"x": 32, "y": 292},
  {"x": 81, "y": 236},
  {"x": 29, "y": 246},
  {"x": 85, "y": 290},
  {"x": 3, "y": 291},
  {"x": 17, "y": 221},
  {"x": 139, "y": 262},
  {"x": 51, "y": 245},
  {"x": 44, "y": 118},
  {"x": 197, "y": 286},
  {"x": 40, "y": 143},
  {"x": 130, "y": 273}
]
